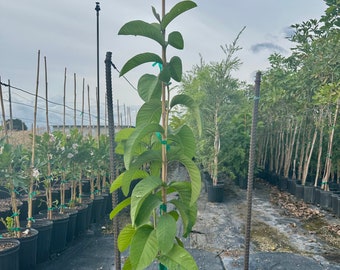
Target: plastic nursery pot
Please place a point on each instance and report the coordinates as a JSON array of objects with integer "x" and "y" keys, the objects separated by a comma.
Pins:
[
  {"x": 28, "y": 248},
  {"x": 44, "y": 227},
  {"x": 215, "y": 192},
  {"x": 9, "y": 254}
]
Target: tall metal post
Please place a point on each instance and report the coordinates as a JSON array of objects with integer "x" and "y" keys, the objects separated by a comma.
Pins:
[
  {"x": 98, "y": 99},
  {"x": 251, "y": 166}
]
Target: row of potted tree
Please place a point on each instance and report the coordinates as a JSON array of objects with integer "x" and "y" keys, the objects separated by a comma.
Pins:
[{"x": 55, "y": 190}]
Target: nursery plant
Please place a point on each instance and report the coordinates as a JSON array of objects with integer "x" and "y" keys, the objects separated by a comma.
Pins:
[
  {"x": 157, "y": 204},
  {"x": 14, "y": 162}
]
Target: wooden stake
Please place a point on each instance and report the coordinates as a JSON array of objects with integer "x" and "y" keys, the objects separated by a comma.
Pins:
[
  {"x": 89, "y": 106},
  {"x": 64, "y": 100},
  {"x": 82, "y": 109},
  {"x": 75, "y": 101}
]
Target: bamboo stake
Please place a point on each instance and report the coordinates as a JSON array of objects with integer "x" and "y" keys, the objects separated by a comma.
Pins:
[
  {"x": 118, "y": 114},
  {"x": 75, "y": 100},
  {"x": 10, "y": 106},
  {"x": 3, "y": 111},
  {"x": 89, "y": 106},
  {"x": 64, "y": 101},
  {"x": 82, "y": 109},
  {"x": 31, "y": 191},
  {"x": 49, "y": 173}
]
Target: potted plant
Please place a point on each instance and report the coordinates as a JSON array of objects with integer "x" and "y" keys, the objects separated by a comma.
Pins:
[
  {"x": 14, "y": 161},
  {"x": 148, "y": 150},
  {"x": 214, "y": 88}
]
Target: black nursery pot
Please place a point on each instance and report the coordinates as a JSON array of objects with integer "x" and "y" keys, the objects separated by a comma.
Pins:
[
  {"x": 72, "y": 223},
  {"x": 81, "y": 221},
  {"x": 309, "y": 194},
  {"x": 9, "y": 258},
  {"x": 59, "y": 233},
  {"x": 44, "y": 227},
  {"x": 98, "y": 203},
  {"x": 215, "y": 192},
  {"x": 299, "y": 190},
  {"x": 325, "y": 199},
  {"x": 28, "y": 250}
]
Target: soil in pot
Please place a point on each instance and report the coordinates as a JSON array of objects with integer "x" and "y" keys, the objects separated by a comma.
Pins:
[
  {"x": 28, "y": 248},
  {"x": 9, "y": 254}
]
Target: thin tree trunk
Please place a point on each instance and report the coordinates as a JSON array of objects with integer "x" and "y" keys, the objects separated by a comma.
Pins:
[
  {"x": 75, "y": 101},
  {"x": 318, "y": 165},
  {"x": 328, "y": 166},
  {"x": 82, "y": 108},
  {"x": 89, "y": 106},
  {"x": 308, "y": 157}
]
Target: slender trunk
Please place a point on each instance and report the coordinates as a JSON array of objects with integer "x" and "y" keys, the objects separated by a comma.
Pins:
[
  {"x": 75, "y": 100},
  {"x": 302, "y": 154},
  {"x": 216, "y": 145},
  {"x": 296, "y": 152},
  {"x": 64, "y": 103},
  {"x": 318, "y": 165},
  {"x": 82, "y": 109},
  {"x": 308, "y": 157},
  {"x": 328, "y": 166},
  {"x": 89, "y": 106}
]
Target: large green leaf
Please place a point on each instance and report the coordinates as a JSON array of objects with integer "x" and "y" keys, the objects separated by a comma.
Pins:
[
  {"x": 150, "y": 112},
  {"x": 138, "y": 60},
  {"x": 175, "y": 39},
  {"x": 151, "y": 202},
  {"x": 149, "y": 87},
  {"x": 175, "y": 65},
  {"x": 127, "y": 264},
  {"x": 165, "y": 74},
  {"x": 144, "y": 248},
  {"x": 189, "y": 102},
  {"x": 125, "y": 236},
  {"x": 142, "y": 28},
  {"x": 139, "y": 133},
  {"x": 175, "y": 11},
  {"x": 123, "y": 134},
  {"x": 188, "y": 215},
  {"x": 166, "y": 232},
  {"x": 120, "y": 207},
  {"x": 194, "y": 174},
  {"x": 124, "y": 180},
  {"x": 185, "y": 139},
  {"x": 141, "y": 192},
  {"x": 178, "y": 258}
]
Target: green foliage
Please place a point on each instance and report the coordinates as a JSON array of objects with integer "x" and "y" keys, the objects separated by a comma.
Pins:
[{"x": 149, "y": 148}]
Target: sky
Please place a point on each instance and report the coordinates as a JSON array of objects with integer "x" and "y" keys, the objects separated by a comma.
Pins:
[{"x": 65, "y": 32}]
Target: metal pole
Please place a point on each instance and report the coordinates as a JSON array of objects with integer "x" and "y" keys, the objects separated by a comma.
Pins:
[
  {"x": 251, "y": 169},
  {"x": 112, "y": 154},
  {"x": 98, "y": 109}
]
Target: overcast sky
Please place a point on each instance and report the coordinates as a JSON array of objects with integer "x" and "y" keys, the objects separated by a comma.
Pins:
[{"x": 65, "y": 32}]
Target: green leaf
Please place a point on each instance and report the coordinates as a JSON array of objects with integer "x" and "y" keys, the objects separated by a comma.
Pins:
[
  {"x": 125, "y": 236},
  {"x": 176, "y": 10},
  {"x": 158, "y": 18},
  {"x": 139, "y": 133},
  {"x": 123, "y": 134},
  {"x": 176, "y": 68},
  {"x": 150, "y": 112},
  {"x": 127, "y": 264},
  {"x": 144, "y": 248},
  {"x": 188, "y": 215},
  {"x": 142, "y": 28},
  {"x": 141, "y": 192},
  {"x": 150, "y": 203},
  {"x": 195, "y": 177},
  {"x": 175, "y": 39},
  {"x": 138, "y": 60},
  {"x": 165, "y": 74},
  {"x": 187, "y": 101},
  {"x": 166, "y": 232},
  {"x": 185, "y": 139},
  {"x": 120, "y": 207},
  {"x": 178, "y": 258},
  {"x": 149, "y": 87}
]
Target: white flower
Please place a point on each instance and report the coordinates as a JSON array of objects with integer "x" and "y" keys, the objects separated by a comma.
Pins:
[
  {"x": 91, "y": 153},
  {"x": 49, "y": 156},
  {"x": 69, "y": 155},
  {"x": 52, "y": 138},
  {"x": 74, "y": 146},
  {"x": 35, "y": 173}
]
